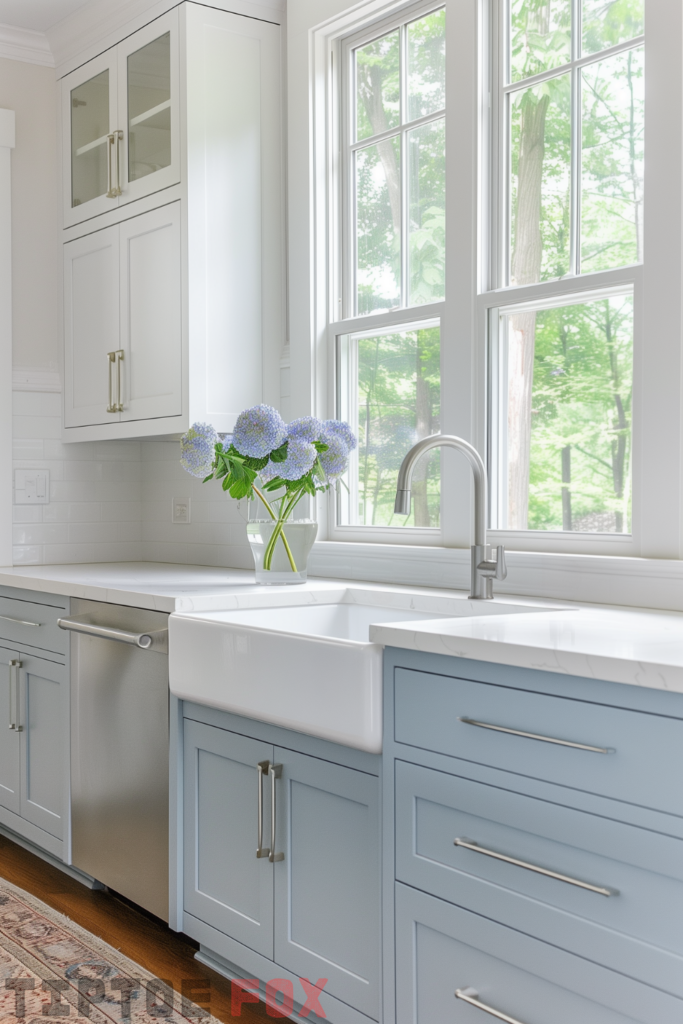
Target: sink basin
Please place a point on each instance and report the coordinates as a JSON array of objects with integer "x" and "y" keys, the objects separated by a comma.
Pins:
[{"x": 303, "y": 661}]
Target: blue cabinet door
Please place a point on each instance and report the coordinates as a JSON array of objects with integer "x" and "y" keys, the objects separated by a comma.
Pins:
[
  {"x": 10, "y": 752},
  {"x": 225, "y": 883},
  {"x": 327, "y": 906},
  {"x": 44, "y": 702}
]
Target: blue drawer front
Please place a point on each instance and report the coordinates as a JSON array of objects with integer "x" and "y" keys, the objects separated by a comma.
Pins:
[
  {"x": 642, "y": 768},
  {"x": 27, "y": 623},
  {"x": 638, "y": 929},
  {"x": 441, "y": 949}
]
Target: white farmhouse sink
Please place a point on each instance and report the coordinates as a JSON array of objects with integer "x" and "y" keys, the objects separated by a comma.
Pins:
[{"x": 305, "y": 661}]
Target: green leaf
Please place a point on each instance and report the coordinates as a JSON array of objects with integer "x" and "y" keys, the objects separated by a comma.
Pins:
[{"x": 280, "y": 454}]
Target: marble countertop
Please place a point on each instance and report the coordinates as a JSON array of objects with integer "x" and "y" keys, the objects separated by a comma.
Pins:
[{"x": 633, "y": 646}]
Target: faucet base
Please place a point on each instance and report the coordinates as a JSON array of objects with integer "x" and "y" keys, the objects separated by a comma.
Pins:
[{"x": 481, "y": 587}]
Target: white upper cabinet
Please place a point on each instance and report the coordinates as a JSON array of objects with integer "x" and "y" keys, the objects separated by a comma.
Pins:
[
  {"x": 120, "y": 118},
  {"x": 174, "y": 297}
]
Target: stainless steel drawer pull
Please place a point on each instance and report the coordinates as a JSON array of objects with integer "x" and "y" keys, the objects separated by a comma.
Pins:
[
  {"x": 469, "y": 995},
  {"x": 275, "y": 772},
  {"x": 469, "y": 844},
  {"x": 262, "y": 768},
  {"x": 19, "y": 622},
  {"x": 537, "y": 736},
  {"x": 14, "y": 723}
]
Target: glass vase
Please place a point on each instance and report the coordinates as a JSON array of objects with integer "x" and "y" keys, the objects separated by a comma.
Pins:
[{"x": 284, "y": 559}]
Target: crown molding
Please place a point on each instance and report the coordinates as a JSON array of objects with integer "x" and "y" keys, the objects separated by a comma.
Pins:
[
  {"x": 101, "y": 24},
  {"x": 25, "y": 45},
  {"x": 28, "y": 379}
]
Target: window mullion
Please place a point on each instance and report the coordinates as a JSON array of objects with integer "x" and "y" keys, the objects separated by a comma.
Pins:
[
  {"x": 403, "y": 101},
  {"x": 575, "y": 165}
]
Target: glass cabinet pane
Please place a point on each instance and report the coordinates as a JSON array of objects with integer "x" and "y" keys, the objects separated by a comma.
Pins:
[
  {"x": 89, "y": 142},
  {"x": 149, "y": 108}
]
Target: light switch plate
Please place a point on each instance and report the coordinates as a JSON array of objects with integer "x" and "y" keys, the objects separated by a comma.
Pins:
[
  {"x": 31, "y": 486},
  {"x": 181, "y": 511}
]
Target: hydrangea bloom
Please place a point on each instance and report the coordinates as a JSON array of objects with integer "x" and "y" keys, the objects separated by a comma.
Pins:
[
  {"x": 340, "y": 430},
  {"x": 259, "y": 431},
  {"x": 300, "y": 459},
  {"x": 335, "y": 460},
  {"x": 197, "y": 449},
  {"x": 308, "y": 428}
]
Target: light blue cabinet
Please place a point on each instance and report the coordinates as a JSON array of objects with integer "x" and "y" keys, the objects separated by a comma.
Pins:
[
  {"x": 533, "y": 846},
  {"x": 35, "y": 699},
  {"x": 313, "y": 911}
]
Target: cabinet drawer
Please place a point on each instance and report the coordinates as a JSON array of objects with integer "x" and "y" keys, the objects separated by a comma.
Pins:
[
  {"x": 32, "y": 624},
  {"x": 442, "y": 949},
  {"x": 633, "y": 925},
  {"x": 640, "y": 763}
]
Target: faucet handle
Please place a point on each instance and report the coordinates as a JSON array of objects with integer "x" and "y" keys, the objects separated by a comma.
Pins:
[{"x": 494, "y": 570}]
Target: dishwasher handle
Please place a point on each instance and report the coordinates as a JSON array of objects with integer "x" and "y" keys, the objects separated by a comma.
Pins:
[{"x": 157, "y": 639}]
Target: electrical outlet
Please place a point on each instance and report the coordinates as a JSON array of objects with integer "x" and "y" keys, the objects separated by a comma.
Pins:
[
  {"x": 31, "y": 486},
  {"x": 181, "y": 510}
]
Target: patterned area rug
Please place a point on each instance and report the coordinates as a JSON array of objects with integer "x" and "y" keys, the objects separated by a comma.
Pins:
[{"x": 53, "y": 968}]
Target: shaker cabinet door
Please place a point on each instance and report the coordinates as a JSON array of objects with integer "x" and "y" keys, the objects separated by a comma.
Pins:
[
  {"x": 10, "y": 753},
  {"x": 225, "y": 884},
  {"x": 327, "y": 901},
  {"x": 91, "y": 328},
  {"x": 151, "y": 315},
  {"x": 45, "y": 745}
]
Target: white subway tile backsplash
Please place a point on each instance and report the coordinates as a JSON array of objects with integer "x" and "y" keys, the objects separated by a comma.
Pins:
[{"x": 27, "y": 555}]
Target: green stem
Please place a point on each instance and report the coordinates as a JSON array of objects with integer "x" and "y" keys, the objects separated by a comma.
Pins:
[{"x": 285, "y": 509}]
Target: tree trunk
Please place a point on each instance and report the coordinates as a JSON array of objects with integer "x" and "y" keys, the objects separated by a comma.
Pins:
[
  {"x": 525, "y": 269},
  {"x": 370, "y": 88},
  {"x": 423, "y": 428},
  {"x": 566, "y": 488}
]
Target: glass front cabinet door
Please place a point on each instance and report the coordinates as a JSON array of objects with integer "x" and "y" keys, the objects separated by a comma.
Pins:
[{"x": 121, "y": 123}]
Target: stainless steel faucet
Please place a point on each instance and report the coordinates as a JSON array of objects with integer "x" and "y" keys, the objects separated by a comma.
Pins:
[{"x": 484, "y": 568}]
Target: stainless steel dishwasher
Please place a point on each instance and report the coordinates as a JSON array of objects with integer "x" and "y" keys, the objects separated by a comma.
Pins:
[{"x": 119, "y": 749}]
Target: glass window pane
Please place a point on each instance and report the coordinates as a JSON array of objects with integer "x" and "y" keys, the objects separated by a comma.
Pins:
[
  {"x": 569, "y": 373},
  {"x": 612, "y": 162},
  {"x": 540, "y": 193},
  {"x": 149, "y": 108},
  {"x": 378, "y": 227},
  {"x": 608, "y": 22},
  {"x": 540, "y": 36},
  {"x": 427, "y": 65},
  {"x": 427, "y": 212},
  {"x": 390, "y": 394},
  {"x": 89, "y": 144},
  {"x": 378, "y": 106}
]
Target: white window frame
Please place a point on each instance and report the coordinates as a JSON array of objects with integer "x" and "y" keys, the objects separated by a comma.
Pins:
[{"x": 471, "y": 293}]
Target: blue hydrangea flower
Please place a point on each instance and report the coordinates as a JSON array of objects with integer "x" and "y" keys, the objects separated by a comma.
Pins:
[
  {"x": 197, "y": 449},
  {"x": 259, "y": 431},
  {"x": 340, "y": 430},
  {"x": 336, "y": 459},
  {"x": 300, "y": 459},
  {"x": 308, "y": 428}
]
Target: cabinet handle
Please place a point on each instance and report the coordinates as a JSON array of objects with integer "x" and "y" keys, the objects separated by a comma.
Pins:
[
  {"x": 117, "y": 160},
  {"x": 469, "y": 995},
  {"x": 537, "y": 736},
  {"x": 113, "y": 188},
  {"x": 111, "y": 359},
  {"x": 262, "y": 767},
  {"x": 119, "y": 360},
  {"x": 14, "y": 667},
  {"x": 20, "y": 622},
  {"x": 275, "y": 772},
  {"x": 469, "y": 844}
]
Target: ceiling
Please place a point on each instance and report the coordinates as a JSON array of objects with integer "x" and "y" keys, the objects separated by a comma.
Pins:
[{"x": 38, "y": 15}]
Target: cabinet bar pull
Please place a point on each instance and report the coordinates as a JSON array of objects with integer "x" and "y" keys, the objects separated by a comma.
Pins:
[
  {"x": 117, "y": 156},
  {"x": 275, "y": 772},
  {"x": 262, "y": 767},
  {"x": 113, "y": 143},
  {"x": 119, "y": 359},
  {"x": 19, "y": 622},
  {"x": 14, "y": 667},
  {"x": 469, "y": 844},
  {"x": 537, "y": 736},
  {"x": 469, "y": 995},
  {"x": 111, "y": 359}
]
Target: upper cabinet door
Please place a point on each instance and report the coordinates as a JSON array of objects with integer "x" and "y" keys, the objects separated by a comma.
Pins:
[
  {"x": 92, "y": 364},
  {"x": 148, "y": 109},
  {"x": 151, "y": 315},
  {"x": 89, "y": 101}
]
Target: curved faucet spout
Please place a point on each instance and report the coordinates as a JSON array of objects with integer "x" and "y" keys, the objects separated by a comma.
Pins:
[
  {"x": 405, "y": 474},
  {"x": 484, "y": 570}
]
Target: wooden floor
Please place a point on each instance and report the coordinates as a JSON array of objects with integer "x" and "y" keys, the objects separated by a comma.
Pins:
[{"x": 144, "y": 939}]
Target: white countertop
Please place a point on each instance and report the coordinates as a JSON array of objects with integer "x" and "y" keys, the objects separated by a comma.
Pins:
[{"x": 637, "y": 647}]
